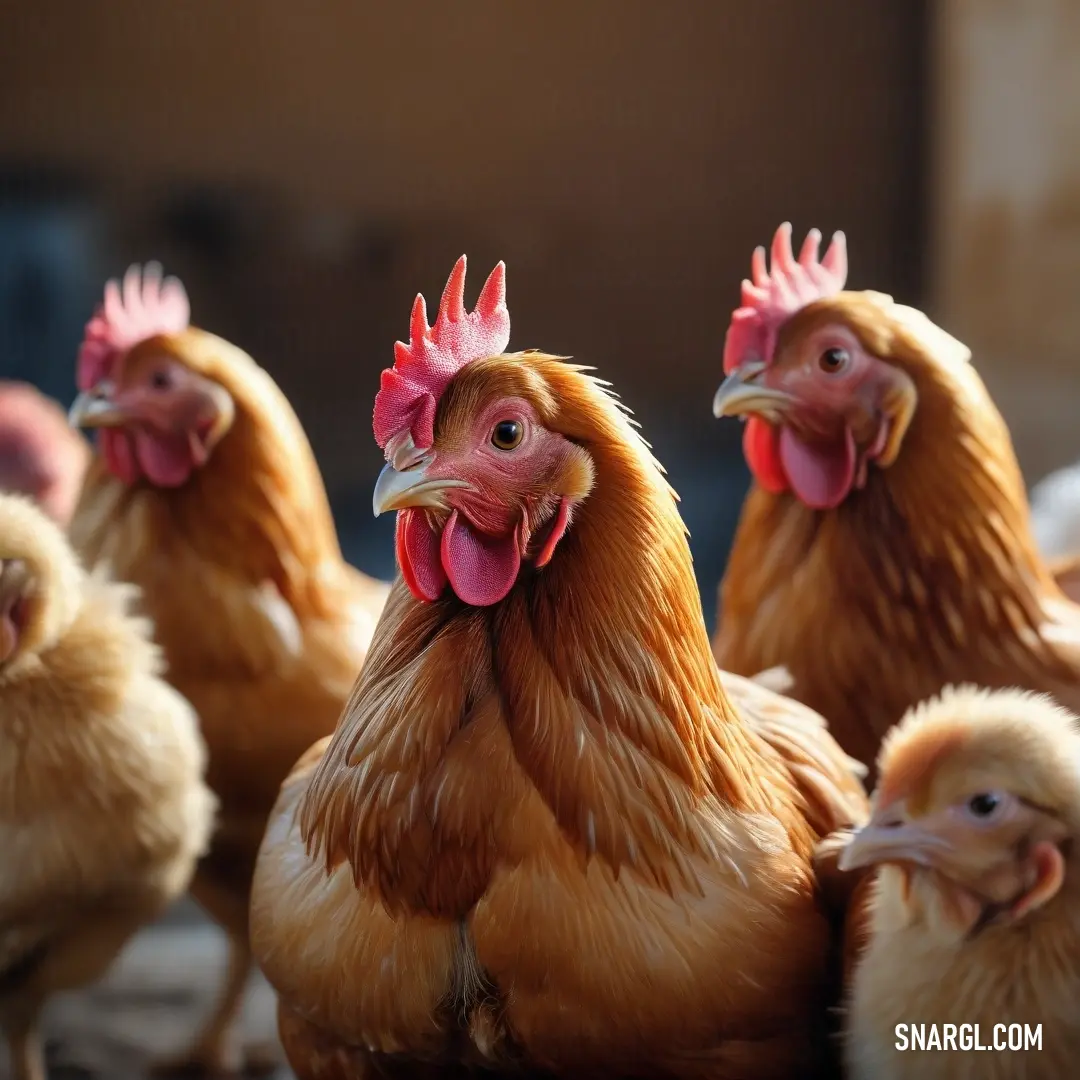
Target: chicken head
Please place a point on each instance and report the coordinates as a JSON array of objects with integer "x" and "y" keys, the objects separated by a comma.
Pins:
[
  {"x": 480, "y": 484},
  {"x": 820, "y": 397},
  {"x": 160, "y": 418},
  {"x": 978, "y": 801}
]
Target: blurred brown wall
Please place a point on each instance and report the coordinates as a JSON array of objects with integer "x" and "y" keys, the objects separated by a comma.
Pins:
[
  {"x": 1007, "y": 262},
  {"x": 623, "y": 156}
]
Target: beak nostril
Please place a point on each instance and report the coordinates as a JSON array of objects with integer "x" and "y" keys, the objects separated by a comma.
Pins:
[
  {"x": 891, "y": 817},
  {"x": 94, "y": 407},
  {"x": 409, "y": 459}
]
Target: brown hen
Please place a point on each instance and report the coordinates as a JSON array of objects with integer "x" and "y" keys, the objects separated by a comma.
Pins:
[
  {"x": 885, "y": 549},
  {"x": 206, "y": 494},
  {"x": 543, "y": 838}
]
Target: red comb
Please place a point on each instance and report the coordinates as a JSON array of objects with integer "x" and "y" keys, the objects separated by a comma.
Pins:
[
  {"x": 777, "y": 292},
  {"x": 410, "y": 390},
  {"x": 143, "y": 305}
]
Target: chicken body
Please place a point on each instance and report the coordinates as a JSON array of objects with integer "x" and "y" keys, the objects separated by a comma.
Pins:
[
  {"x": 1066, "y": 573},
  {"x": 40, "y": 455},
  {"x": 103, "y": 807},
  {"x": 263, "y": 623},
  {"x": 922, "y": 570},
  {"x": 973, "y": 917},
  {"x": 542, "y": 838},
  {"x": 920, "y": 973},
  {"x": 1055, "y": 512}
]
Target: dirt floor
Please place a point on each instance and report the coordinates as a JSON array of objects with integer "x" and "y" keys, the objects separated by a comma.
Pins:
[{"x": 149, "y": 1005}]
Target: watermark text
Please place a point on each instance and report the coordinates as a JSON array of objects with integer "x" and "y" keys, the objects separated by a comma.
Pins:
[{"x": 1003, "y": 1038}]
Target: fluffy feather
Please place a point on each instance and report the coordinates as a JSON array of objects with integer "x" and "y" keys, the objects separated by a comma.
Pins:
[
  {"x": 950, "y": 941},
  {"x": 103, "y": 809}
]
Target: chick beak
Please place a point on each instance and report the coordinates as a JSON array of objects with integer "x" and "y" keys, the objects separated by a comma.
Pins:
[
  {"x": 891, "y": 841},
  {"x": 96, "y": 407},
  {"x": 742, "y": 393},
  {"x": 400, "y": 490}
]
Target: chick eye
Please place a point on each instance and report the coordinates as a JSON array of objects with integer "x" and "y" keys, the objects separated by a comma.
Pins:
[
  {"x": 986, "y": 805},
  {"x": 833, "y": 360},
  {"x": 507, "y": 434},
  {"x": 161, "y": 379}
]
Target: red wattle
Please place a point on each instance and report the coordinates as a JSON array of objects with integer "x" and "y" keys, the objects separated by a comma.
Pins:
[
  {"x": 821, "y": 475},
  {"x": 165, "y": 460},
  {"x": 418, "y": 556},
  {"x": 482, "y": 569},
  {"x": 119, "y": 455},
  {"x": 761, "y": 447},
  {"x": 562, "y": 519}
]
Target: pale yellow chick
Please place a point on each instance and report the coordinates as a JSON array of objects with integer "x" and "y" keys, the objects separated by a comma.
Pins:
[
  {"x": 103, "y": 809},
  {"x": 975, "y": 914}
]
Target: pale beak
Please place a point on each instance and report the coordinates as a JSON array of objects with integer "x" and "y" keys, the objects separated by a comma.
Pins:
[
  {"x": 410, "y": 488},
  {"x": 739, "y": 394},
  {"x": 906, "y": 842},
  {"x": 95, "y": 408}
]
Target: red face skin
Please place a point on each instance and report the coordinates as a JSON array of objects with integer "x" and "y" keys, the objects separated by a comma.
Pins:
[
  {"x": 160, "y": 420},
  {"x": 495, "y": 490},
  {"x": 819, "y": 415}
]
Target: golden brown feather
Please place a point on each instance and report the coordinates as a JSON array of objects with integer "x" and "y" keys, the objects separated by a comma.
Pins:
[
  {"x": 263, "y": 623},
  {"x": 542, "y": 831},
  {"x": 926, "y": 576}
]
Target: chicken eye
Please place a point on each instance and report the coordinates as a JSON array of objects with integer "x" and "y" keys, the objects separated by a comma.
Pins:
[
  {"x": 507, "y": 434},
  {"x": 833, "y": 360},
  {"x": 986, "y": 805},
  {"x": 161, "y": 379}
]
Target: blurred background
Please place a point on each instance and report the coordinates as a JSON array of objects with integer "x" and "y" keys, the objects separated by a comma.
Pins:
[
  {"x": 306, "y": 172},
  {"x": 305, "y": 175}
]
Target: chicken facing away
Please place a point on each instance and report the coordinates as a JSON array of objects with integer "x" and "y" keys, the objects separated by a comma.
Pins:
[
  {"x": 543, "y": 838},
  {"x": 1055, "y": 519},
  {"x": 1066, "y": 572},
  {"x": 40, "y": 455},
  {"x": 885, "y": 548},
  {"x": 974, "y": 916},
  {"x": 1055, "y": 512},
  {"x": 103, "y": 807},
  {"x": 207, "y": 495}
]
